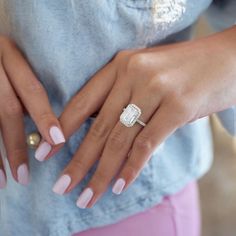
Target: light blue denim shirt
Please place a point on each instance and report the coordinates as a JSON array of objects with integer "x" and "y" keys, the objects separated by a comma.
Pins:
[{"x": 66, "y": 42}]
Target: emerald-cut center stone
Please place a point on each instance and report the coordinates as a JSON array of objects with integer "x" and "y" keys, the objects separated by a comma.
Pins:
[{"x": 130, "y": 115}]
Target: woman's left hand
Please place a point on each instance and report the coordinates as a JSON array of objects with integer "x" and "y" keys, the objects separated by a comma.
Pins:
[{"x": 173, "y": 85}]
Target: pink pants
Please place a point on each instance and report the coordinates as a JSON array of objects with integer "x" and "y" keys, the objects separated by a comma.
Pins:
[{"x": 177, "y": 215}]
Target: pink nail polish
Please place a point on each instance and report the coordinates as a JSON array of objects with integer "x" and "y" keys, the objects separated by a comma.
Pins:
[
  {"x": 62, "y": 184},
  {"x": 23, "y": 174},
  {"x": 3, "y": 181},
  {"x": 118, "y": 186},
  {"x": 42, "y": 151},
  {"x": 85, "y": 198},
  {"x": 56, "y": 135}
]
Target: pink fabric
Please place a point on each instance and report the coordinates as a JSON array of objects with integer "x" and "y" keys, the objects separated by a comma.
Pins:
[{"x": 177, "y": 215}]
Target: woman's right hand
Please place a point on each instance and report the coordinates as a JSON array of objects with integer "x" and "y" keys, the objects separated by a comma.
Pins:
[{"x": 20, "y": 90}]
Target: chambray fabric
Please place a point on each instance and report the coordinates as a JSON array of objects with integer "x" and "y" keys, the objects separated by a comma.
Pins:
[{"x": 66, "y": 42}]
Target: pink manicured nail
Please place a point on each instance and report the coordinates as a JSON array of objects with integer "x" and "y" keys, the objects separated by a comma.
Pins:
[
  {"x": 85, "y": 198},
  {"x": 56, "y": 135},
  {"x": 42, "y": 151},
  {"x": 62, "y": 184},
  {"x": 118, "y": 186},
  {"x": 3, "y": 181},
  {"x": 23, "y": 174}
]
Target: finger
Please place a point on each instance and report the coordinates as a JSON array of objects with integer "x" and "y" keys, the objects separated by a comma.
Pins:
[
  {"x": 32, "y": 94},
  {"x": 93, "y": 94},
  {"x": 96, "y": 137},
  {"x": 3, "y": 179},
  {"x": 86, "y": 102},
  {"x": 155, "y": 132},
  {"x": 117, "y": 147},
  {"x": 12, "y": 128},
  {"x": 89, "y": 99}
]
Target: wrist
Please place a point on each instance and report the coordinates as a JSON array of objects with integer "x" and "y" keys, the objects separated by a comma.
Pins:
[{"x": 223, "y": 45}]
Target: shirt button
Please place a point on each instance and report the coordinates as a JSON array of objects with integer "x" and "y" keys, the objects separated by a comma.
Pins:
[{"x": 33, "y": 140}]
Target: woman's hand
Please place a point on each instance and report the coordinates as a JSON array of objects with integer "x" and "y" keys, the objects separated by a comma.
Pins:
[
  {"x": 173, "y": 85},
  {"x": 19, "y": 90}
]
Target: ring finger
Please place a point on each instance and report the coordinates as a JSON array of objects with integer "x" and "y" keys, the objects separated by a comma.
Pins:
[
  {"x": 116, "y": 150},
  {"x": 86, "y": 156}
]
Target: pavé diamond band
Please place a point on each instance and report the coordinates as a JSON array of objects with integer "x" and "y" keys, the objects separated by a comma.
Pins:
[{"x": 130, "y": 115}]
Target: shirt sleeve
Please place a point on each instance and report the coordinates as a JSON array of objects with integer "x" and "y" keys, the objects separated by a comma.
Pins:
[{"x": 222, "y": 15}]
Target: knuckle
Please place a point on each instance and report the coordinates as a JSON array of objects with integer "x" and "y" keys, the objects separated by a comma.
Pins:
[
  {"x": 116, "y": 140},
  {"x": 34, "y": 86},
  {"x": 77, "y": 103},
  {"x": 12, "y": 107},
  {"x": 143, "y": 143},
  {"x": 101, "y": 177},
  {"x": 121, "y": 55},
  {"x": 158, "y": 83},
  {"x": 99, "y": 128},
  {"x": 79, "y": 166},
  {"x": 131, "y": 170},
  {"x": 45, "y": 118},
  {"x": 137, "y": 62},
  {"x": 182, "y": 108},
  {"x": 18, "y": 152}
]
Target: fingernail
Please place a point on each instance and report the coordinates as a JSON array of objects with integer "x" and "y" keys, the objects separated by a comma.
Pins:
[
  {"x": 62, "y": 184},
  {"x": 118, "y": 186},
  {"x": 56, "y": 135},
  {"x": 42, "y": 151},
  {"x": 85, "y": 198},
  {"x": 23, "y": 174},
  {"x": 3, "y": 181}
]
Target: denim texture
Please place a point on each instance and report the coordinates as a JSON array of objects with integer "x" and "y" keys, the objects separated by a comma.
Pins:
[{"x": 66, "y": 42}]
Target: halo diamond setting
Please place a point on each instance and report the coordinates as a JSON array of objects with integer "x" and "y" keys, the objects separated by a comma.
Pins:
[{"x": 130, "y": 115}]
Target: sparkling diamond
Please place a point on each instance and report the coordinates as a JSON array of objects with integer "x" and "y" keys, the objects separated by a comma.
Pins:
[{"x": 130, "y": 115}]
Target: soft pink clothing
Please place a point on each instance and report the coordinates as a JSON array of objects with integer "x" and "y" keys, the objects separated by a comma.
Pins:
[{"x": 177, "y": 215}]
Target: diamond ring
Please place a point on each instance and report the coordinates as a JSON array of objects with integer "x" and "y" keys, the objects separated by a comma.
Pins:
[{"x": 130, "y": 115}]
